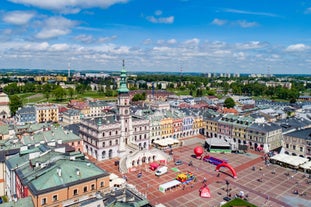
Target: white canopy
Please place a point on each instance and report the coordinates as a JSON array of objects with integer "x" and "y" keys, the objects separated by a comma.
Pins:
[
  {"x": 166, "y": 142},
  {"x": 306, "y": 165},
  {"x": 291, "y": 160}
]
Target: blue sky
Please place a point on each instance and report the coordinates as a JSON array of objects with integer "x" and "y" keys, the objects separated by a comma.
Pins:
[{"x": 227, "y": 36}]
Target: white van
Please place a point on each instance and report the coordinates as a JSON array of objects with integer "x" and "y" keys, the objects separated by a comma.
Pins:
[{"x": 161, "y": 170}]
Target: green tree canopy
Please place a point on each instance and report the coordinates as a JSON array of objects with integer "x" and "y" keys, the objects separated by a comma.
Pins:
[
  {"x": 15, "y": 103},
  {"x": 229, "y": 103}
]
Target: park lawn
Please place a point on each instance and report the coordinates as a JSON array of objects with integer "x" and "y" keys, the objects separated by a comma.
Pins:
[
  {"x": 238, "y": 202},
  {"x": 179, "y": 92}
]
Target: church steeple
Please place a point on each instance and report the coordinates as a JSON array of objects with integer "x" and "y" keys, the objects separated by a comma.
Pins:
[{"x": 123, "y": 84}]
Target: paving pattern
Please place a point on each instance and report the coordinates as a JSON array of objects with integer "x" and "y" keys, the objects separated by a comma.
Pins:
[{"x": 275, "y": 188}]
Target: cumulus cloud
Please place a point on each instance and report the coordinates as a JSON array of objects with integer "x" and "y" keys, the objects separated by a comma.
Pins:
[
  {"x": 56, "y": 26},
  {"x": 219, "y": 22},
  {"x": 172, "y": 41},
  {"x": 158, "y": 12},
  {"x": 308, "y": 10},
  {"x": 251, "y": 45},
  {"x": 85, "y": 38},
  {"x": 72, "y": 5},
  {"x": 59, "y": 47},
  {"x": 194, "y": 41},
  {"x": 107, "y": 39},
  {"x": 297, "y": 48},
  {"x": 18, "y": 17},
  {"x": 161, "y": 20},
  {"x": 246, "y": 24}
]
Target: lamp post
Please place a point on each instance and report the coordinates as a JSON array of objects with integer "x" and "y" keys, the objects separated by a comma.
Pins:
[{"x": 227, "y": 183}]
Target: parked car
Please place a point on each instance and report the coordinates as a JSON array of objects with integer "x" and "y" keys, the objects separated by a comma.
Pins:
[
  {"x": 161, "y": 170},
  {"x": 178, "y": 162}
]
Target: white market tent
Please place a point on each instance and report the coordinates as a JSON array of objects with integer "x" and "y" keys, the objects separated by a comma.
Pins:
[
  {"x": 217, "y": 142},
  {"x": 166, "y": 186},
  {"x": 306, "y": 166},
  {"x": 166, "y": 142},
  {"x": 294, "y": 161}
]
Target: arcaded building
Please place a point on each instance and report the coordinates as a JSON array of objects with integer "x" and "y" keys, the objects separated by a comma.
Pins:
[{"x": 115, "y": 134}]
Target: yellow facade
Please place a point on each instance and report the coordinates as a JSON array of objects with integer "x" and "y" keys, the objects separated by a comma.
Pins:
[
  {"x": 46, "y": 113},
  {"x": 166, "y": 126}
]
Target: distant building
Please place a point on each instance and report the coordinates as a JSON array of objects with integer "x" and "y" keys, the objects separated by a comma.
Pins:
[
  {"x": 71, "y": 116},
  {"x": 5, "y": 111},
  {"x": 25, "y": 115},
  {"x": 298, "y": 143},
  {"x": 46, "y": 113}
]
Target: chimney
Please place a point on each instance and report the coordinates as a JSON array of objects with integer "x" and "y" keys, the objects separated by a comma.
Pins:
[
  {"x": 78, "y": 172},
  {"x": 59, "y": 172}
]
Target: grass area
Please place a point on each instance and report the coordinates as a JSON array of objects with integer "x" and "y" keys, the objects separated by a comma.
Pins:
[
  {"x": 238, "y": 202},
  {"x": 39, "y": 97},
  {"x": 179, "y": 92}
]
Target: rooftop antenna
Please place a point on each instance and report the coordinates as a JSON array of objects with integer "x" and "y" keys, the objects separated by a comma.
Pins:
[
  {"x": 180, "y": 71},
  {"x": 69, "y": 70}
]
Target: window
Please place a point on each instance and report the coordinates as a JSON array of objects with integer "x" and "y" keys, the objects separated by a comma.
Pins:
[
  {"x": 103, "y": 144},
  {"x": 43, "y": 201},
  {"x": 102, "y": 184},
  {"x": 54, "y": 198},
  {"x": 75, "y": 192},
  {"x": 110, "y": 143},
  {"x": 85, "y": 189},
  {"x": 92, "y": 187}
]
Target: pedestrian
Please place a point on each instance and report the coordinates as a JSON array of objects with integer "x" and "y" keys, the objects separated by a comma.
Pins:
[
  {"x": 218, "y": 174},
  {"x": 183, "y": 187},
  {"x": 204, "y": 180}
]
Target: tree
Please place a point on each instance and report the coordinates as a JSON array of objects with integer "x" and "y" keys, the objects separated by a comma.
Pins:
[
  {"x": 59, "y": 93},
  {"x": 15, "y": 103},
  {"x": 47, "y": 95},
  {"x": 71, "y": 92},
  {"x": 229, "y": 103}
]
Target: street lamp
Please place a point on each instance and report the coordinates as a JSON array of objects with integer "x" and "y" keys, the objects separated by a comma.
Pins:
[
  {"x": 227, "y": 198},
  {"x": 227, "y": 183}
]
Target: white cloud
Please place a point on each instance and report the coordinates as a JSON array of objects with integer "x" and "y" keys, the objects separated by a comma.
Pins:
[
  {"x": 161, "y": 20},
  {"x": 297, "y": 48},
  {"x": 85, "y": 38},
  {"x": 250, "y": 12},
  {"x": 107, "y": 39},
  {"x": 68, "y": 5},
  {"x": 251, "y": 45},
  {"x": 59, "y": 47},
  {"x": 158, "y": 12},
  {"x": 194, "y": 41},
  {"x": 308, "y": 10},
  {"x": 172, "y": 41},
  {"x": 55, "y": 26},
  {"x": 36, "y": 46},
  {"x": 219, "y": 22},
  {"x": 246, "y": 24},
  {"x": 18, "y": 17}
]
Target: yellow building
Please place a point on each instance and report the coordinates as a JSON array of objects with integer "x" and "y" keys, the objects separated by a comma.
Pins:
[
  {"x": 45, "y": 78},
  {"x": 46, "y": 113},
  {"x": 166, "y": 125}
]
